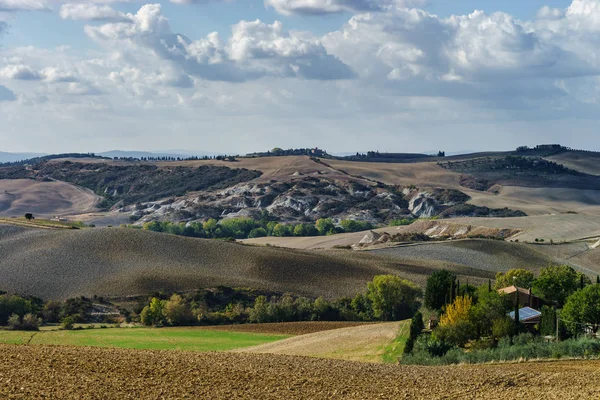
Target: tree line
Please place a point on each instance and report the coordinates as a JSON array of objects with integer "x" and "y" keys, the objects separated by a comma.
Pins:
[
  {"x": 386, "y": 298},
  {"x": 248, "y": 228}
]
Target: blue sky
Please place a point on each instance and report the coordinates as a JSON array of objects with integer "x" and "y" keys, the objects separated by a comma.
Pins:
[{"x": 346, "y": 75}]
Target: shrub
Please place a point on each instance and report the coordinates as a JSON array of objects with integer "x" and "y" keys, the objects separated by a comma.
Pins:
[
  {"x": 67, "y": 323},
  {"x": 31, "y": 322},
  {"x": 14, "y": 322}
]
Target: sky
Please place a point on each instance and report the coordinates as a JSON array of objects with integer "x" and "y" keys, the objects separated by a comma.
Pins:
[{"x": 237, "y": 76}]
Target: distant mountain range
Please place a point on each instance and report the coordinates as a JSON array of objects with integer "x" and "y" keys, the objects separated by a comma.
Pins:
[{"x": 12, "y": 157}]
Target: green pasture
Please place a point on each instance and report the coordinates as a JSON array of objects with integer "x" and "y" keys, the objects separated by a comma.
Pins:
[{"x": 188, "y": 339}]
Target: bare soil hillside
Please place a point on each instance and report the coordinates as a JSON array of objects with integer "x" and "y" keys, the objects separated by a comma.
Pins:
[
  {"x": 586, "y": 162},
  {"x": 67, "y": 373},
  {"x": 121, "y": 262},
  {"x": 44, "y": 199},
  {"x": 487, "y": 255}
]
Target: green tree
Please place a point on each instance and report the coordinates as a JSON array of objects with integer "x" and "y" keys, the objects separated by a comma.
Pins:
[
  {"x": 490, "y": 306},
  {"x": 416, "y": 327},
  {"x": 257, "y": 233},
  {"x": 556, "y": 283},
  {"x": 516, "y": 276},
  {"x": 393, "y": 298},
  {"x": 210, "y": 227},
  {"x": 31, "y": 322},
  {"x": 437, "y": 290},
  {"x": 153, "y": 314},
  {"x": 260, "y": 312},
  {"x": 582, "y": 307},
  {"x": 14, "y": 322},
  {"x": 324, "y": 226},
  {"x": 548, "y": 321},
  {"x": 177, "y": 311}
]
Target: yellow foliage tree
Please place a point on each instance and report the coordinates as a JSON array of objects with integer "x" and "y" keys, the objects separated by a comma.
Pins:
[{"x": 457, "y": 312}]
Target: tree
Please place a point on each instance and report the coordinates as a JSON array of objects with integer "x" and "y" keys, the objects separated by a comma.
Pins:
[
  {"x": 14, "y": 322},
  {"x": 457, "y": 311},
  {"x": 177, "y": 311},
  {"x": 31, "y": 322},
  {"x": 556, "y": 283},
  {"x": 324, "y": 225},
  {"x": 416, "y": 327},
  {"x": 491, "y": 306},
  {"x": 393, "y": 298},
  {"x": 455, "y": 325},
  {"x": 437, "y": 290},
  {"x": 260, "y": 312},
  {"x": 153, "y": 314},
  {"x": 29, "y": 216},
  {"x": 516, "y": 276},
  {"x": 582, "y": 307}
]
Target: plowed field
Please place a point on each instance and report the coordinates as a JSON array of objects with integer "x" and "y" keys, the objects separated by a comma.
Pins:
[{"x": 33, "y": 372}]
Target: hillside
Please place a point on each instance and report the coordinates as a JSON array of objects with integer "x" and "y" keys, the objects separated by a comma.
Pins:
[
  {"x": 46, "y": 199},
  {"x": 302, "y": 189},
  {"x": 121, "y": 262}
]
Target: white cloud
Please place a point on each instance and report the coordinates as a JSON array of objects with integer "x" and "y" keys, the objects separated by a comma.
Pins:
[
  {"x": 254, "y": 50},
  {"x": 20, "y": 72},
  {"x": 23, "y": 5},
  {"x": 319, "y": 7},
  {"x": 91, "y": 12}
]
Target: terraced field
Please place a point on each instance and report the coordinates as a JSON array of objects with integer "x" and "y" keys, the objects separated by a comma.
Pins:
[{"x": 28, "y": 372}]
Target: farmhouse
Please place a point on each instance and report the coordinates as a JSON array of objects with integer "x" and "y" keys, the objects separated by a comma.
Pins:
[{"x": 524, "y": 296}]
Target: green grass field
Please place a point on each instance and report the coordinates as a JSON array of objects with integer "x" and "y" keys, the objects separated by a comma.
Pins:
[
  {"x": 394, "y": 350},
  {"x": 188, "y": 339}
]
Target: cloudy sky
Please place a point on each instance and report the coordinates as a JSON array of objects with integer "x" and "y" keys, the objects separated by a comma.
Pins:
[{"x": 346, "y": 75}]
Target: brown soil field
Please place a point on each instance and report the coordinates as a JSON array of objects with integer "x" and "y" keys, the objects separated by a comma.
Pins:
[
  {"x": 56, "y": 264},
  {"x": 585, "y": 162},
  {"x": 287, "y": 328},
  {"x": 28, "y": 372},
  {"x": 357, "y": 343},
  {"x": 44, "y": 199}
]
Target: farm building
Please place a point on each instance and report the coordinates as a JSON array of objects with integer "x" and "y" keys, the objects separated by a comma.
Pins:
[
  {"x": 527, "y": 316},
  {"x": 525, "y": 297}
]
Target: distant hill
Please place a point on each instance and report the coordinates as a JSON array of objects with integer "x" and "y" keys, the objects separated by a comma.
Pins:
[
  {"x": 152, "y": 154},
  {"x": 12, "y": 157}
]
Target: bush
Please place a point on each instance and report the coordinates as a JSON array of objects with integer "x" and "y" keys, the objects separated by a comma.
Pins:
[
  {"x": 67, "y": 323},
  {"x": 31, "y": 322},
  {"x": 14, "y": 322}
]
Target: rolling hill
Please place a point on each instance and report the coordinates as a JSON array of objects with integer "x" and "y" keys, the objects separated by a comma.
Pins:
[{"x": 121, "y": 262}]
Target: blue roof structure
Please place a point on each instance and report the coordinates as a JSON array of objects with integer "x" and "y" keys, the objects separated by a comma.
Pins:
[{"x": 525, "y": 314}]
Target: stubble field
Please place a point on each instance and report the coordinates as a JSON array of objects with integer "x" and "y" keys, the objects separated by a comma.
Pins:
[{"x": 28, "y": 372}]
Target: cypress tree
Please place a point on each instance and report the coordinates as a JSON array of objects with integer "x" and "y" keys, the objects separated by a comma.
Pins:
[{"x": 517, "y": 314}]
